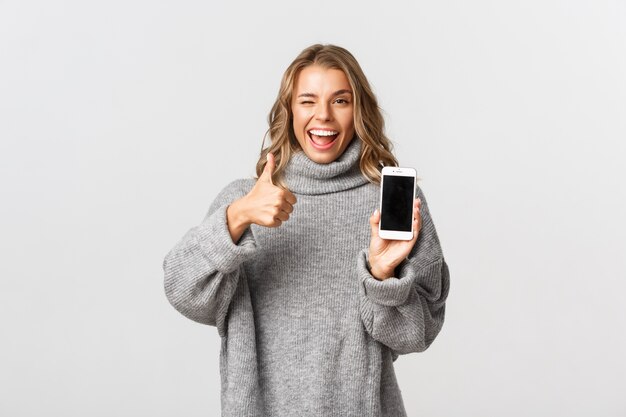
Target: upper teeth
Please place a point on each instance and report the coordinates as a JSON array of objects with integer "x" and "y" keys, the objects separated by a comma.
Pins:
[{"x": 323, "y": 132}]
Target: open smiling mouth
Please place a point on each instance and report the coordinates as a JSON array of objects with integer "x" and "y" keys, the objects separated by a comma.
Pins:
[{"x": 322, "y": 139}]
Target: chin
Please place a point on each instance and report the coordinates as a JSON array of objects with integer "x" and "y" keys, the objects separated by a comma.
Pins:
[{"x": 322, "y": 157}]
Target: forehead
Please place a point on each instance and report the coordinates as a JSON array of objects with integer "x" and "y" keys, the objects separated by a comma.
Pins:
[{"x": 315, "y": 77}]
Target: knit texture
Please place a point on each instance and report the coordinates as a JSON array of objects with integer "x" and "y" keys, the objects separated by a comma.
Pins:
[{"x": 305, "y": 328}]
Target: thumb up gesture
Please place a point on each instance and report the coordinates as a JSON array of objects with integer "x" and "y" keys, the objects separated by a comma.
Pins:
[{"x": 266, "y": 204}]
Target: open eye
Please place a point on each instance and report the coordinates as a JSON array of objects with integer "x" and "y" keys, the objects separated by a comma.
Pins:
[{"x": 341, "y": 101}]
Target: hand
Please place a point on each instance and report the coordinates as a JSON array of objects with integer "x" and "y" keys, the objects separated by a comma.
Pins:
[
  {"x": 266, "y": 204},
  {"x": 385, "y": 255}
]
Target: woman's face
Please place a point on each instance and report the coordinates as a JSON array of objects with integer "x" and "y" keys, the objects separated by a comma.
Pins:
[{"x": 322, "y": 107}]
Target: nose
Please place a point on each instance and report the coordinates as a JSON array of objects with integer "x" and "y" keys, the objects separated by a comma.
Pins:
[{"x": 323, "y": 112}]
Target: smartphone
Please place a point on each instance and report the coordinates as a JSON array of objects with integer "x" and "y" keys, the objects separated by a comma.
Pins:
[{"x": 397, "y": 193}]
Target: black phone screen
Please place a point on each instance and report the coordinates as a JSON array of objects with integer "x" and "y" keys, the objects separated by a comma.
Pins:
[{"x": 397, "y": 203}]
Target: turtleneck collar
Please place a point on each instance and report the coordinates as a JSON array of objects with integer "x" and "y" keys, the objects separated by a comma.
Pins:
[{"x": 304, "y": 176}]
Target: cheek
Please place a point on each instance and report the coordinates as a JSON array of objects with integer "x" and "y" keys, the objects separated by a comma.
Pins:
[
  {"x": 348, "y": 122},
  {"x": 298, "y": 125},
  {"x": 299, "y": 119}
]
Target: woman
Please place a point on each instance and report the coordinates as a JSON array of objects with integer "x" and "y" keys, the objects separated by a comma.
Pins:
[{"x": 311, "y": 305}]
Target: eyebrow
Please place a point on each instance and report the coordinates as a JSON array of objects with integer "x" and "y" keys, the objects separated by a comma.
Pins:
[{"x": 336, "y": 93}]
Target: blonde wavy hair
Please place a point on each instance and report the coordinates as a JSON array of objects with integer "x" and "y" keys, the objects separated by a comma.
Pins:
[{"x": 376, "y": 149}]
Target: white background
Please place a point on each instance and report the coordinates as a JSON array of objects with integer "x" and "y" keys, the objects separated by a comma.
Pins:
[{"x": 121, "y": 120}]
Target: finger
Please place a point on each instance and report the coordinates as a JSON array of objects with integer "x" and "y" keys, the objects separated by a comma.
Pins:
[
  {"x": 290, "y": 197},
  {"x": 417, "y": 218},
  {"x": 374, "y": 220},
  {"x": 420, "y": 221},
  {"x": 282, "y": 216},
  {"x": 286, "y": 207},
  {"x": 417, "y": 205},
  {"x": 268, "y": 170},
  {"x": 416, "y": 229}
]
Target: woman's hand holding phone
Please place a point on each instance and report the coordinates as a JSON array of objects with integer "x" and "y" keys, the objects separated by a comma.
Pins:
[
  {"x": 266, "y": 204},
  {"x": 385, "y": 255}
]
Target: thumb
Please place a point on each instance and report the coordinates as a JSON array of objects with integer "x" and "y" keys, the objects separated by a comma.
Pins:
[
  {"x": 374, "y": 220},
  {"x": 269, "y": 168}
]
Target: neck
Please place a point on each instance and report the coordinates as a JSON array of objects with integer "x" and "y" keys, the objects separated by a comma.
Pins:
[{"x": 304, "y": 176}]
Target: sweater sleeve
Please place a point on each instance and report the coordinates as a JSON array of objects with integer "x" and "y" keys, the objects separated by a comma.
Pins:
[
  {"x": 407, "y": 312},
  {"x": 202, "y": 270}
]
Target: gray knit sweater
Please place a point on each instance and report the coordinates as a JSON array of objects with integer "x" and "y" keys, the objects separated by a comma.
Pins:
[{"x": 305, "y": 328}]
